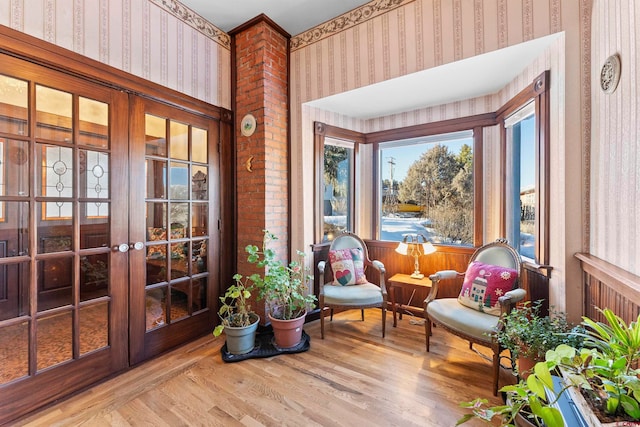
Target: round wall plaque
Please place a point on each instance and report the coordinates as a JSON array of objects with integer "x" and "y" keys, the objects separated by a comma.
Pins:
[
  {"x": 610, "y": 74},
  {"x": 248, "y": 125}
]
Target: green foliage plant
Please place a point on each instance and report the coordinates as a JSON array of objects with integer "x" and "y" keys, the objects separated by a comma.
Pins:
[
  {"x": 284, "y": 287},
  {"x": 235, "y": 308},
  {"x": 526, "y": 333},
  {"x": 604, "y": 367},
  {"x": 527, "y": 399}
]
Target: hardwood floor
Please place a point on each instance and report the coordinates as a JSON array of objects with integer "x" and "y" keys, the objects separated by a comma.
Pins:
[{"x": 352, "y": 377}]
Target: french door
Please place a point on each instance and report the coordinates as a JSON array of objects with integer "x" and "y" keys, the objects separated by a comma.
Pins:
[
  {"x": 63, "y": 291},
  {"x": 174, "y": 179},
  {"x": 109, "y": 213}
]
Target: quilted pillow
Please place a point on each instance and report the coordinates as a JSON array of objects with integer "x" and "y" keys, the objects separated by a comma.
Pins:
[
  {"x": 484, "y": 284},
  {"x": 347, "y": 266}
]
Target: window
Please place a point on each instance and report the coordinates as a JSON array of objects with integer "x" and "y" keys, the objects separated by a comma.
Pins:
[
  {"x": 521, "y": 189},
  {"x": 335, "y": 153},
  {"x": 426, "y": 187},
  {"x": 337, "y": 191},
  {"x": 525, "y": 123}
]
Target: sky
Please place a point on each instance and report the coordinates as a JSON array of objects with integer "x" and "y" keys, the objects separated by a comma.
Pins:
[{"x": 405, "y": 156}]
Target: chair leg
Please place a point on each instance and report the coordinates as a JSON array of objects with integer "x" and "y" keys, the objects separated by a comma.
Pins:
[
  {"x": 384, "y": 320},
  {"x": 496, "y": 371},
  {"x": 427, "y": 330},
  {"x": 322, "y": 323},
  {"x": 362, "y": 314},
  {"x": 331, "y": 317}
]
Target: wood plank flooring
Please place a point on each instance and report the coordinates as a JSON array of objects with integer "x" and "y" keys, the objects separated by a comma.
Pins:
[{"x": 353, "y": 377}]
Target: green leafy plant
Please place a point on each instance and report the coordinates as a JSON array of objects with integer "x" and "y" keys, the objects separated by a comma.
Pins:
[
  {"x": 283, "y": 286},
  {"x": 606, "y": 371},
  {"x": 527, "y": 399},
  {"x": 604, "y": 368},
  {"x": 235, "y": 309},
  {"x": 526, "y": 333}
]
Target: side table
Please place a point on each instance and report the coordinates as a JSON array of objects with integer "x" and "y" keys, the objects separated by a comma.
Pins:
[{"x": 401, "y": 282}]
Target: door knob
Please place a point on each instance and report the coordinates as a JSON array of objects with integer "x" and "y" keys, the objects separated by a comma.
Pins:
[
  {"x": 136, "y": 246},
  {"x": 122, "y": 247}
]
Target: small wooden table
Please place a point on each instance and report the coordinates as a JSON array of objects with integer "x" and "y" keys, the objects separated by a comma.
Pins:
[{"x": 402, "y": 282}]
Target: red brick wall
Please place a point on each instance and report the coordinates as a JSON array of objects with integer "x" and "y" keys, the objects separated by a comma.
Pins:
[{"x": 261, "y": 89}]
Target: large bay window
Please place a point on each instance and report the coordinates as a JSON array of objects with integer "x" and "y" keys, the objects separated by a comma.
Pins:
[{"x": 428, "y": 179}]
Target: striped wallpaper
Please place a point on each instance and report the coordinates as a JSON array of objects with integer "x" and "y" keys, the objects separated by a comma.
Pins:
[
  {"x": 421, "y": 34},
  {"x": 615, "y": 154},
  {"x": 167, "y": 44}
]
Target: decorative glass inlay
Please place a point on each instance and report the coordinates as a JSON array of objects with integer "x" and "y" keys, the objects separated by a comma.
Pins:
[{"x": 58, "y": 172}]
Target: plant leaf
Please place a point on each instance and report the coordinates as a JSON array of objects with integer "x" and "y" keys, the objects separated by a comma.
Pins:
[
  {"x": 612, "y": 405},
  {"x": 541, "y": 370},
  {"x": 536, "y": 386},
  {"x": 464, "y": 419},
  {"x": 630, "y": 406},
  {"x": 551, "y": 417}
]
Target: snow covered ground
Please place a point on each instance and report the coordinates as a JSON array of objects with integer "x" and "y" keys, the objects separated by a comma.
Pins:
[{"x": 395, "y": 228}]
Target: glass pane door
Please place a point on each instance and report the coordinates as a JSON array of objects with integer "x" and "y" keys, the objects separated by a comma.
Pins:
[
  {"x": 174, "y": 149},
  {"x": 63, "y": 293}
]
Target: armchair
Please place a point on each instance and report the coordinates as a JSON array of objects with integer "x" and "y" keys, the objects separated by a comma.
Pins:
[
  {"x": 493, "y": 273},
  {"x": 345, "y": 284}
]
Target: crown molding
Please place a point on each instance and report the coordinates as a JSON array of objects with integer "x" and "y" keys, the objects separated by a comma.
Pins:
[
  {"x": 194, "y": 20},
  {"x": 340, "y": 23}
]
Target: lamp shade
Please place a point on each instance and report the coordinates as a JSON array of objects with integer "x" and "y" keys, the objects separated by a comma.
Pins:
[
  {"x": 403, "y": 248},
  {"x": 428, "y": 248}
]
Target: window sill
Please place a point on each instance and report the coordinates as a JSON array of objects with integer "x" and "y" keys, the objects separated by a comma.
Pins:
[{"x": 531, "y": 265}]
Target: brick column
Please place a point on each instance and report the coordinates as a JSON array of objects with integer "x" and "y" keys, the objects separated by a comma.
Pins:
[{"x": 261, "y": 89}]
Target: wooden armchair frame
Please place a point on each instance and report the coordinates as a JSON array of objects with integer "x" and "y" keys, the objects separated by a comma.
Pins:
[
  {"x": 361, "y": 300},
  {"x": 496, "y": 253}
]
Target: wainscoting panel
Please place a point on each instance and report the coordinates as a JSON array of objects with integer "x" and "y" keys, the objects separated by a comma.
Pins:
[
  {"x": 609, "y": 286},
  {"x": 537, "y": 286}
]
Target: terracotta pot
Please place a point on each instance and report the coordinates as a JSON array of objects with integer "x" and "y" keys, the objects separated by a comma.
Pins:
[
  {"x": 525, "y": 365},
  {"x": 241, "y": 339},
  {"x": 287, "y": 333}
]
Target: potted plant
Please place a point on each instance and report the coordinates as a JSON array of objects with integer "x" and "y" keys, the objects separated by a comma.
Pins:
[
  {"x": 284, "y": 288},
  {"x": 604, "y": 373},
  {"x": 237, "y": 320},
  {"x": 528, "y": 335},
  {"x": 600, "y": 377}
]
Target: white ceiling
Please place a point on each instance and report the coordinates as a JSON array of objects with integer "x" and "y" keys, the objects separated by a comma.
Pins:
[
  {"x": 470, "y": 78},
  {"x": 294, "y": 16}
]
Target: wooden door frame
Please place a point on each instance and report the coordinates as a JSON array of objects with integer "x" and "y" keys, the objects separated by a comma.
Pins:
[
  {"x": 145, "y": 344},
  {"x": 36, "y": 51},
  {"x": 42, "y": 386}
]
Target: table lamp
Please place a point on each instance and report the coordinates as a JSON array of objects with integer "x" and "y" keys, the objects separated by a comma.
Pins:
[{"x": 415, "y": 245}]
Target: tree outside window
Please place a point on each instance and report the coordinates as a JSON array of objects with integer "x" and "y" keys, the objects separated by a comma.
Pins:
[
  {"x": 337, "y": 178},
  {"x": 432, "y": 191}
]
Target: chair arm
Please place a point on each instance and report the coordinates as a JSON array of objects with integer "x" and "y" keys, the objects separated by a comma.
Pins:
[
  {"x": 435, "y": 280},
  {"x": 445, "y": 274},
  {"x": 511, "y": 298},
  {"x": 321, "y": 267},
  {"x": 382, "y": 271},
  {"x": 378, "y": 266}
]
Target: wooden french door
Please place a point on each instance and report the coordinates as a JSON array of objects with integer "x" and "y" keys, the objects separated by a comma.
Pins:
[
  {"x": 63, "y": 204},
  {"x": 109, "y": 231},
  {"x": 175, "y": 209}
]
